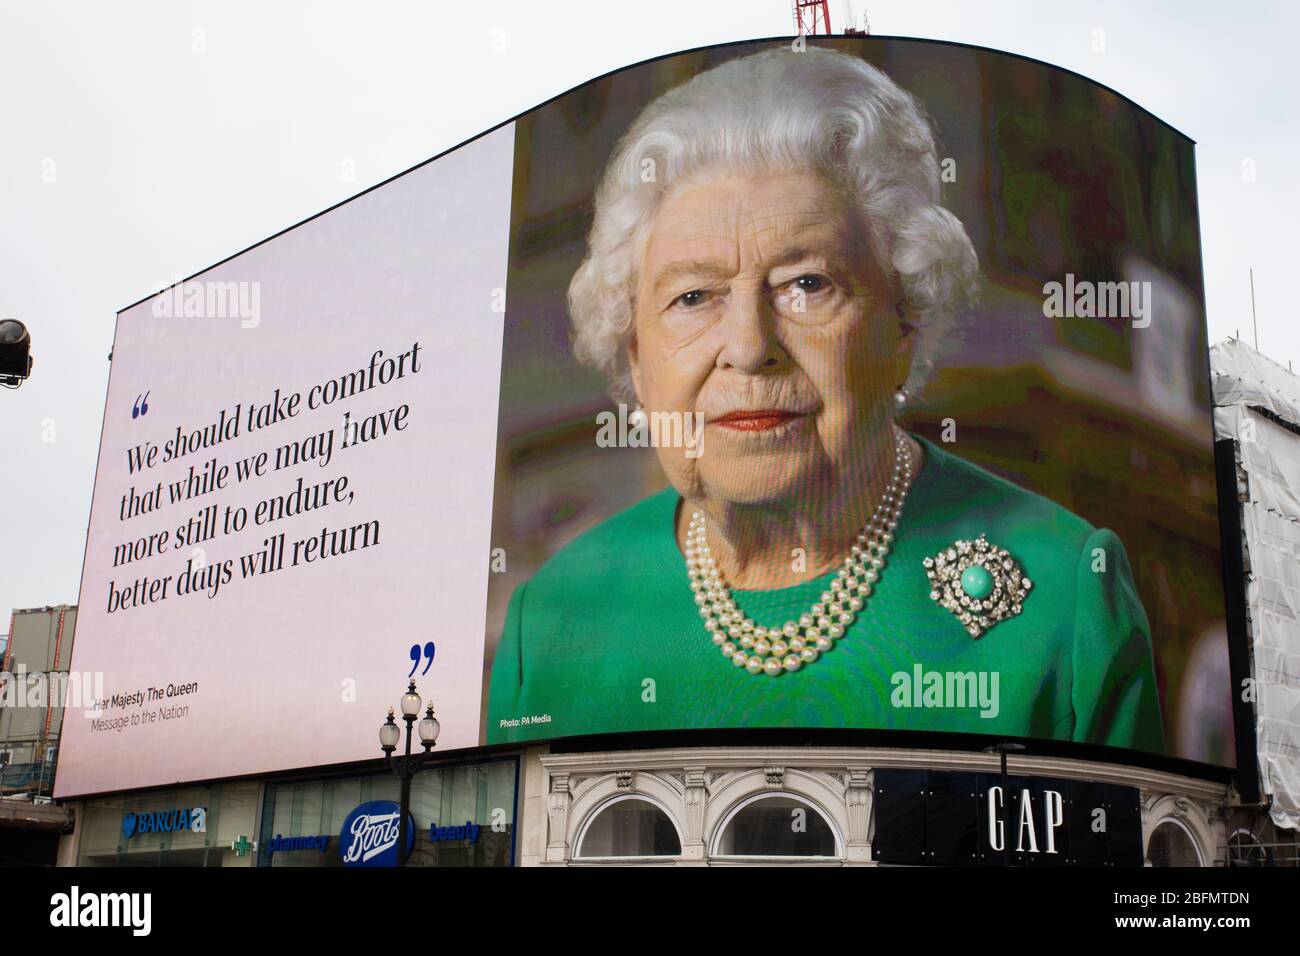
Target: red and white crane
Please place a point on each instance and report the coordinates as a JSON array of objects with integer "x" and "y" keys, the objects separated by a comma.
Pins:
[{"x": 813, "y": 18}]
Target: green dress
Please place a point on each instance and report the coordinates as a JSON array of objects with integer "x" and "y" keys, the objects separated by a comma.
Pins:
[{"x": 606, "y": 636}]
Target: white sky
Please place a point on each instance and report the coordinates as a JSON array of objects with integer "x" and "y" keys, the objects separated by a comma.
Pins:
[{"x": 166, "y": 160}]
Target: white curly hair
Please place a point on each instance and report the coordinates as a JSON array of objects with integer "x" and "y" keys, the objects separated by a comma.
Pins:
[{"x": 814, "y": 109}]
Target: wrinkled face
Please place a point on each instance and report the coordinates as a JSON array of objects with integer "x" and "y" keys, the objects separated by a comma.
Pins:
[{"x": 759, "y": 306}]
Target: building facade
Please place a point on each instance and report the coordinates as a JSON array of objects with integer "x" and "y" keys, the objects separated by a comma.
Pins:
[
  {"x": 462, "y": 814},
  {"x": 751, "y": 803},
  {"x": 748, "y": 803},
  {"x": 689, "y": 806},
  {"x": 1257, "y": 414},
  {"x": 822, "y": 806},
  {"x": 34, "y": 677},
  {"x": 1079, "y": 433}
]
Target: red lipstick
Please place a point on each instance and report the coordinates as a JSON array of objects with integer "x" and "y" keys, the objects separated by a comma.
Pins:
[{"x": 755, "y": 420}]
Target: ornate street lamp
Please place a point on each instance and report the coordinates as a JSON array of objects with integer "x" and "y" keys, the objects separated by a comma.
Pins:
[{"x": 408, "y": 765}]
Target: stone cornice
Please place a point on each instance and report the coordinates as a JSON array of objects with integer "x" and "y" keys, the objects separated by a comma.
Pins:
[{"x": 880, "y": 757}]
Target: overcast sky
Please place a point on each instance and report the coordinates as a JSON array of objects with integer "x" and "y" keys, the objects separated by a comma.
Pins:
[{"x": 141, "y": 142}]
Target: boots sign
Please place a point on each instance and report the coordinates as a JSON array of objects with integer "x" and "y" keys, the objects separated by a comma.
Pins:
[{"x": 940, "y": 818}]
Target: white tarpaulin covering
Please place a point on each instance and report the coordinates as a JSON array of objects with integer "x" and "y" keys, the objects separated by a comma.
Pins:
[{"x": 1269, "y": 454}]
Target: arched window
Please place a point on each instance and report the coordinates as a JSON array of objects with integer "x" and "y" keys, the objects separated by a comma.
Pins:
[
  {"x": 1244, "y": 849},
  {"x": 779, "y": 825},
  {"x": 1172, "y": 844},
  {"x": 629, "y": 826}
]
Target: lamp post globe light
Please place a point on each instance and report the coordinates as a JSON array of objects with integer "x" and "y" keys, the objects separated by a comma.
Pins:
[{"x": 408, "y": 765}]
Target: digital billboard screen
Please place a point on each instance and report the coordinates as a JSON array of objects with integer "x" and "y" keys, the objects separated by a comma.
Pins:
[{"x": 857, "y": 383}]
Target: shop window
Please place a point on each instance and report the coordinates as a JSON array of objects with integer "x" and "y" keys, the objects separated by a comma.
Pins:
[
  {"x": 629, "y": 826},
  {"x": 782, "y": 826},
  {"x": 463, "y": 814},
  {"x": 206, "y": 840},
  {"x": 1172, "y": 845}
]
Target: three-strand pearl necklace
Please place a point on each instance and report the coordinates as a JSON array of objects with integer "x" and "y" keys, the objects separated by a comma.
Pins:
[{"x": 772, "y": 651}]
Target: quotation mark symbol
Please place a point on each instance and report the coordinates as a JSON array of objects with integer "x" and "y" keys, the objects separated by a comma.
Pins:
[
  {"x": 141, "y": 406},
  {"x": 428, "y": 652}
]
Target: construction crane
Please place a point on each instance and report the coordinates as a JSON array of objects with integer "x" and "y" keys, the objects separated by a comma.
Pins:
[{"x": 813, "y": 17}]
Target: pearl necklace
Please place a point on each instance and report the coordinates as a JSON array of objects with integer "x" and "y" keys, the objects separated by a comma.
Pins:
[{"x": 772, "y": 651}]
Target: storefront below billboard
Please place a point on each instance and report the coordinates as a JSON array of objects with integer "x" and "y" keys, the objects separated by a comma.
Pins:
[
  {"x": 460, "y": 815},
  {"x": 832, "y": 806},
  {"x": 190, "y": 826},
  {"x": 937, "y": 818}
]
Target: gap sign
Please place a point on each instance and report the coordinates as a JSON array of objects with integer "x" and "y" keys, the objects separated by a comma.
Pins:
[{"x": 930, "y": 817}]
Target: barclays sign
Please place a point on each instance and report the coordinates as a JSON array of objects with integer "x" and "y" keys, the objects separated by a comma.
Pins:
[
  {"x": 188, "y": 819},
  {"x": 370, "y": 833}
]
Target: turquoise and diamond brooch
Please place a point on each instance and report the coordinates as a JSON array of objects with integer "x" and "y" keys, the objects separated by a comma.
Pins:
[{"x": 980, "y": 583}]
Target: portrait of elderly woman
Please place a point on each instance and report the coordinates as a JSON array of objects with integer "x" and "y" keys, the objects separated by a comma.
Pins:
[{"x": 769, "y": 253}]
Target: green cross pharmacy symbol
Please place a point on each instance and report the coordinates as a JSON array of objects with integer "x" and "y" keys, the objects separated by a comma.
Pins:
[{"x": 242, "y": 846}]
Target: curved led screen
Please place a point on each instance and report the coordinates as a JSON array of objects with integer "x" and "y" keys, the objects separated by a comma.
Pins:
[{"x": 851, "y": 383}]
